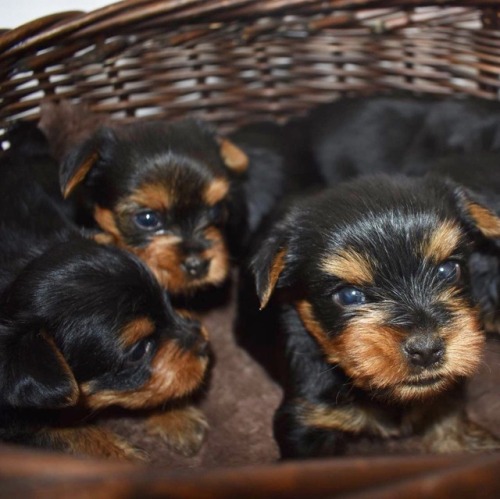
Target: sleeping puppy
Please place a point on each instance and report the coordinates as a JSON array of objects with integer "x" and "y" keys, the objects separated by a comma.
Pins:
[
  {"x": 365, "y": 135},
  {"x": 84, "y": 327},
  {"x": 167, "y": 192},
  {"x": 380, "y": 324}
]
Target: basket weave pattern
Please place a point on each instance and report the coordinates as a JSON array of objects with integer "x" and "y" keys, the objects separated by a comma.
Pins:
[{"x": 235, "y": 61}]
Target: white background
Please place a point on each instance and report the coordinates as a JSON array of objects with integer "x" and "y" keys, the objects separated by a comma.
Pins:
[{"x": 13, "y": 13}]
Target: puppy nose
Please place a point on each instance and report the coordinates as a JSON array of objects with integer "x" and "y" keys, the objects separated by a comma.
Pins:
[
  {"x": 424, "y": 351},
  {"x": 196, "y": 266},
  {"x": 202, "y": 348},
  {"x": 193, "y": 341}
]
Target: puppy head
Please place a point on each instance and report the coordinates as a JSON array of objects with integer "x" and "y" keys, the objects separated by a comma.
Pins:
[
  {"x": 89, "y": 324},
  {"x": 376, "y": 270},
  {"x": 162, "y": 191}
]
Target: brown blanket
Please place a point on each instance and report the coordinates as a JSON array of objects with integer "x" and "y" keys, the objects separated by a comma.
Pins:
[{"x": 241, "y": 398}]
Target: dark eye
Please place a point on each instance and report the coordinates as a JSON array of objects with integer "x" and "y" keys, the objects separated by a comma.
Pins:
[
  {"x": 349, "y": 296},
  {"x": 449, "y": 271},
  {"x": 140, "y": 351},
  {"x": 149, "y": 220}
]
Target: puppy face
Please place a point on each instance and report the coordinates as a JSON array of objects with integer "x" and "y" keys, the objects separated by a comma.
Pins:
[
  {"x": 88, "y": 324},
  {"x": 163, "y": 192},
  {"x": 377, "y": 272}
]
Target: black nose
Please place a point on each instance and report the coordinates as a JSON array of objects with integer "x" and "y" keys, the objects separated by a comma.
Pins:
[
  {"x": 193, "y": 341},
  {"x": 195, "y": 266},
  {"x": 424, "y": 351},
  {"x": 202, "y": 348}
]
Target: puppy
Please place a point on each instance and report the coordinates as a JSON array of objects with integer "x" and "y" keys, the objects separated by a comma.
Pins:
[
  {"x": 366, "y": 135},
  {"x": 169, "y": 193},
  {"x": 83, "y": 327},
  {"x": 380, "y": 325}
]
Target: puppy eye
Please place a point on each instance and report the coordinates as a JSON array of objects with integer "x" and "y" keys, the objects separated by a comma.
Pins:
[
  {"x": 349, "y": 296},
  {"x": 449, "y": 271},
  {"x": 149, "y": 220},
  {"x": 140, "y": 351}
]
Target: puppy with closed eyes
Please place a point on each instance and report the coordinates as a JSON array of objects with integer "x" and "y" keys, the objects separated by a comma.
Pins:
[
  {"x": 392, "y": 134},
  {"x": 167, "y": 192},
  {"x": 84, "y": 327},
  {"x": 380, "y": 325}
]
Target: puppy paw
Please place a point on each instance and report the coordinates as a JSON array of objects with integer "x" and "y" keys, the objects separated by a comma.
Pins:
[
  {"x": 183, "y": 430},
  {"x": 93, "y": 442},
  {"x": 459, "y": 434},
  {"x": 123, "y": 451}
]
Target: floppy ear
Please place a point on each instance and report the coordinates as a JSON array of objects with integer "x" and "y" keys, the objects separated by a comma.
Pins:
[
  {"x": 34, "y": 373},
  {"x": 483, "y": 219},
  {"x": 81, "y": 160},
  {"x": 234, "y": 157},
  {"x": 269, "y": 263},
  {"x": 487, "y": 222}
]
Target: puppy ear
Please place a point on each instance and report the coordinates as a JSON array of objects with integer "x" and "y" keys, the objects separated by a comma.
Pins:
[
  {"x": 34, "y": 373},
  {"x": 482, "y": 218},
  {"x": 234, "y": 157},
  {"x": 269, "y": 263},
  {"x": 81, "y": 160},
  {"x": 487, "y": 222}
]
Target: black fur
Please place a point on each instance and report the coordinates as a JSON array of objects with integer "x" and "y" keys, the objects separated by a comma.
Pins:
[
  {"x": 479, "y": 174},
  {"x": 366, "y": 135},
  {"x": 387, "y": 220},
  {"x": 64, "y": 301},
  {"x": 182, "y": 157}
]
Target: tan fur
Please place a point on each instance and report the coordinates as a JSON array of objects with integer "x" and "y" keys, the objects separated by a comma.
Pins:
[
  {"x": 454, "y": 432},
  {"x": 75, "y": 391},
  {"x": 136, "y": 330},
  {"x": 442, "y": 242},
  {"x": 80, "y": 174},
  {"x": 174, "y": 373},
  {"x": 218, "y": 255},
  {"x": 349, "y": 418},
  {"x": 486, "y": 221},
  {"x": 370, "y": 352},
  {"x": 234, "y": 158},
  {"x": 184, "y": 429},
  {"x": 441, "y": 423},
  {"x": 464, "y": 341},
  {"x": 164, "y": 256},
  {"x": 103, "y": 238},
  {"x": 276, "y": 269},
  {"x": 151, "y": 196},
  {"x": 215, "y": 191},
  {"x": 91, "y": 441},
  {"x": 106, "y": 220},
  {"x": 350, "y": 266},
  {"x": 314, "y": 328}
]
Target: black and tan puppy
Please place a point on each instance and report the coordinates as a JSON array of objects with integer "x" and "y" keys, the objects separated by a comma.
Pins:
[
  {"x": 83, "y": 327},
  {"x": 393, "y": 134},
  {"x": 380, "y": 326},
  {"x": 165, "y": 191}
]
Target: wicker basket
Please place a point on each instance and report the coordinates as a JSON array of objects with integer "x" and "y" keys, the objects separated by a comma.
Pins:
[
  {"x": 231, "y": 62},
  {"x": 235, "y": 61}
]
